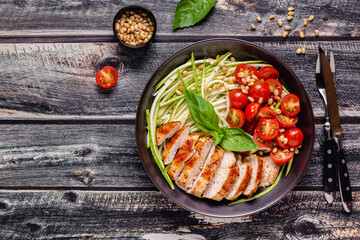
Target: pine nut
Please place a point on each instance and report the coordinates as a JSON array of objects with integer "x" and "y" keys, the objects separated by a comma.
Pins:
[
  {"x": 285, "y": 34},
  {"x": 311, "y": 17},
  {"x": 248, "y": 79},
  {"x": 289, "y": 18},
  {"x": 185, "y": 73},
  {"x": 221, "y": 64},
  {"x": 276, "y": 92},
  {"x": 199, "y": 78},
  {"x": 298, "y": 51},
  {"x": 299, "y": 146},
  {"x": 261, "y": 153},
  {"x": 274, "y": 150},
  {"x": 193, "y": 88},
  {"x": 301, "y": 34},
  {"x": 316, "y": 33},
  {"x": 286, "y": 150},
  {"x": 286, "y": 141},
  {"x": 280, "y": 23},
  {"x": 181, "y": 88},
  {"x": 278, "y": 111},
  {"x": 224, "y": 69},
  {"x": 178, "y": 92},
  {"x": 282, "y": 130},
  {"x": 243, "y": 80},
  {"x": 277, "y": 98},
  {"x": 251, "y": 99},
  {"x": 290, "y": 9},
  {"x": 291, "y": 149},
  {"x": 241, "y": 74},
  {"x": 291, "y": 13},
  {"x": 206, "y": 88},
  {"x": 287, "y": 28},
  {"x": 261, "y": 100},
  {"x": 258, "y": 18},
  {"x": 217, "y": 57},
  {"x": 250, "y": 84},
  {"x": 252, "y": 26},
  {"x": 270, "y": 101},
  {"x": 305, "y": 22},
  {"x": 228, "y": 73},
  {"x": 210, "y": 89},
  {"x": 200, "y": 66},
  {"x": 227, "y": 88},
  {"x": 272, "y": 17},
  {"x": 272, "y": 107},
  {"x": 303, "y": 51},
  {"x": 245, "y": 91},
  {"x": 281, "y": 138},
  {"x": 220, "y": 77},
  {"x": 254, "y": 77},
  {"x": 296, "y": 151},
  {"x": 232, "y": 59}
]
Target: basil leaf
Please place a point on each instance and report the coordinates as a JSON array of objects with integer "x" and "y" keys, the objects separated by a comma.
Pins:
[
  {"x": 217, "y": 137},
  {"x": 235, "y": 139},
  {"x": 201, "y": 111},
  {"x": 190, "y": 12}
]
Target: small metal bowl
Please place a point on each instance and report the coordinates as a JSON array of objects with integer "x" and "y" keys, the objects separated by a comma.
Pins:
[{"x": 134, "y": 8}]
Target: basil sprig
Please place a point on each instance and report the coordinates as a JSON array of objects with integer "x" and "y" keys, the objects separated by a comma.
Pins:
[
  {"x": 190, "y": 12},
  {"x": 204, "y": 116}
]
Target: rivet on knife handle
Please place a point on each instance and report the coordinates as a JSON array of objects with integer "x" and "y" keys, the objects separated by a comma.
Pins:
[
  {"x": 329, "y": 171},
  {"x": 343, "y": 174}
]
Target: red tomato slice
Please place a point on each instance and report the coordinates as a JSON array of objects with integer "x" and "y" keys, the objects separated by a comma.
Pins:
[
  {"x": 249, "y": 127},
  {"x": 252, "y": 110},
  {"x": 295, "y": 137},
  {"x": 260, "y": 142},
  {"x": 107, "y": 77},
  {"x": 238, "y": 99},
  {"x": 267, "y": 72},
  {"x": 280, "y": 143},
  {"x": 267, "y": 128},
  {"x": 236, "y": 118},
  {"x": 247, "y": 70},
  {"x": 273, "y": 85},
  {"x": 290, "y": 105},
  {"x": 286, "y": 121},
  {"x": 281, "y": 156},
  {"x": 265, "y": 112},
  {"x": 259, "y": 90}
]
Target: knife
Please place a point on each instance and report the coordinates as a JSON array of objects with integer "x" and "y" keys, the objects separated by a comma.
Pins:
[
  {"x": 343, "y": 175},
  {"x": 329, "y": 169}
]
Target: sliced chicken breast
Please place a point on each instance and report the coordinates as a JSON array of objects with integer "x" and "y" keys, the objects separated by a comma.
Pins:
[
  {"x": 223, "y": 179},
  {"x": 242, "y": 181},
  {"x": 174, "y": 144},
  {"x": 194, "y": 166},
  {"x": 211, "y": 163},
  {"x": 270, "y": 171},
  {"x": 166, "y": 131},
  {"x": 257, "y": 165},
  {"x": 187, "y": 150}
]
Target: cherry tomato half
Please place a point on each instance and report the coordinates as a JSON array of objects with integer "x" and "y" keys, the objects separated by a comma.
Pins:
[
  {"x": 267, "y": 72},
  {"x": 273, "y": 85},
  {"x": 107, "y": 77},
  {"x": 247, "y": 70},
  {"x": 236, "y": 118},
  {"x": 281, "y": 156},
  {"x": 267, "y": 128},
  {"x": 249, "y": 127},
  {"x": 295, "y": 137},
  {"x": 279, "y": 142},
  {"x": 259, "y": 90},
  {"x": 290, "y": 105},
  {"x": 265, "y": 112},
  {"x": 286, "y": 121},
  {"x": 238, "y": 99},
  {"x": 260, "y": 142},
  {"x": 252, "y": 110}
]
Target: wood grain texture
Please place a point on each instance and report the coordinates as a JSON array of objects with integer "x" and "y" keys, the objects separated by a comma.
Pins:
[
  {"x": 150, "y": 215},
  {"x": 105, "y": 156},
  {"x": 230, "y": 17},
  {"x": 56, "y": 81}
]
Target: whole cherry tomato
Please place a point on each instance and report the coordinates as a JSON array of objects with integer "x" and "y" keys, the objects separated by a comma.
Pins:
[
  {"x": 252, "y": 110},
  {"x": 259, "y": 90},
  {"x": 295, "y": 137},
  {"x": 238, "y": 99}
]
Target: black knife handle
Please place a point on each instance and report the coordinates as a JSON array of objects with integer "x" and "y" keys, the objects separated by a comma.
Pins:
[
  {"x": 344, "y": 180},
  {"x": 329, "y": 170}
]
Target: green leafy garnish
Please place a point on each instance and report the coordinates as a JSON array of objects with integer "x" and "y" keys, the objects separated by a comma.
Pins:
[
  {"x": 190, "y": 12},
  {"x": 235, "y": 139}
]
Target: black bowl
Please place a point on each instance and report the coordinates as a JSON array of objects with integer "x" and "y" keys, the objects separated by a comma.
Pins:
[
  {"x": 134, "y": 8},
  {"x": 245, "y": 51}
]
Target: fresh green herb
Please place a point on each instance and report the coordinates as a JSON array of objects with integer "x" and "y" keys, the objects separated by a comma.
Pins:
[
  {"x": 235, "y": 139},
  {"x": 263, "y": 192},
  {"x": 190, "y": 12},
  {"x": 201, "y": 111}
]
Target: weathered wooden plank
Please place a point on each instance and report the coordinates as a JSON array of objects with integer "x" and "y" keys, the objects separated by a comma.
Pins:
[
  {"x": 150, "y": 215},
  {"x": 56, "y": 81},
  {"x": 96, "y": 155},
  {"x": 231, "y": 17}
]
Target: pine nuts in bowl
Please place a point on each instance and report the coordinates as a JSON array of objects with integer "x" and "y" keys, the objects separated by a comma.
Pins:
[{"x": 134, "y": 26}]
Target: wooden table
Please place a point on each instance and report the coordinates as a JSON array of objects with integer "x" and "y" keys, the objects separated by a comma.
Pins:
[{"x": 69, "y": 167}]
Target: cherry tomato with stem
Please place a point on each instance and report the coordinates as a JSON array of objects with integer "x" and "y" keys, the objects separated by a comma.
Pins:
[
  {"x": 107, "y": 77},
  {"x": 290, "y": 105},
  {"x": 252, "y": 110},
  {"x": 267, "y": 72},
  {"x": 238, "y": 99},
  {"x": 259, "y": 90},
  {"x": 267, "y": 128},
  {"x": 281, "y": 156},
  {"x": 295, "y": 137},
  {"x": 236, "y": 118}
]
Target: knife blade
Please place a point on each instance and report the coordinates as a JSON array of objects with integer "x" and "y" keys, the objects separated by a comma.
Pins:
[{"x": 343, "y": 175}]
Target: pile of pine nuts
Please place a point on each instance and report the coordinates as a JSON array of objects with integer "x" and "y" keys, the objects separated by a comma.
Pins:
[{"x": 134, "y": 28}]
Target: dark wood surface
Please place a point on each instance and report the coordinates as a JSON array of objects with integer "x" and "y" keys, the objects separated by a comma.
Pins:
[{"x": 69, "y": 166}]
